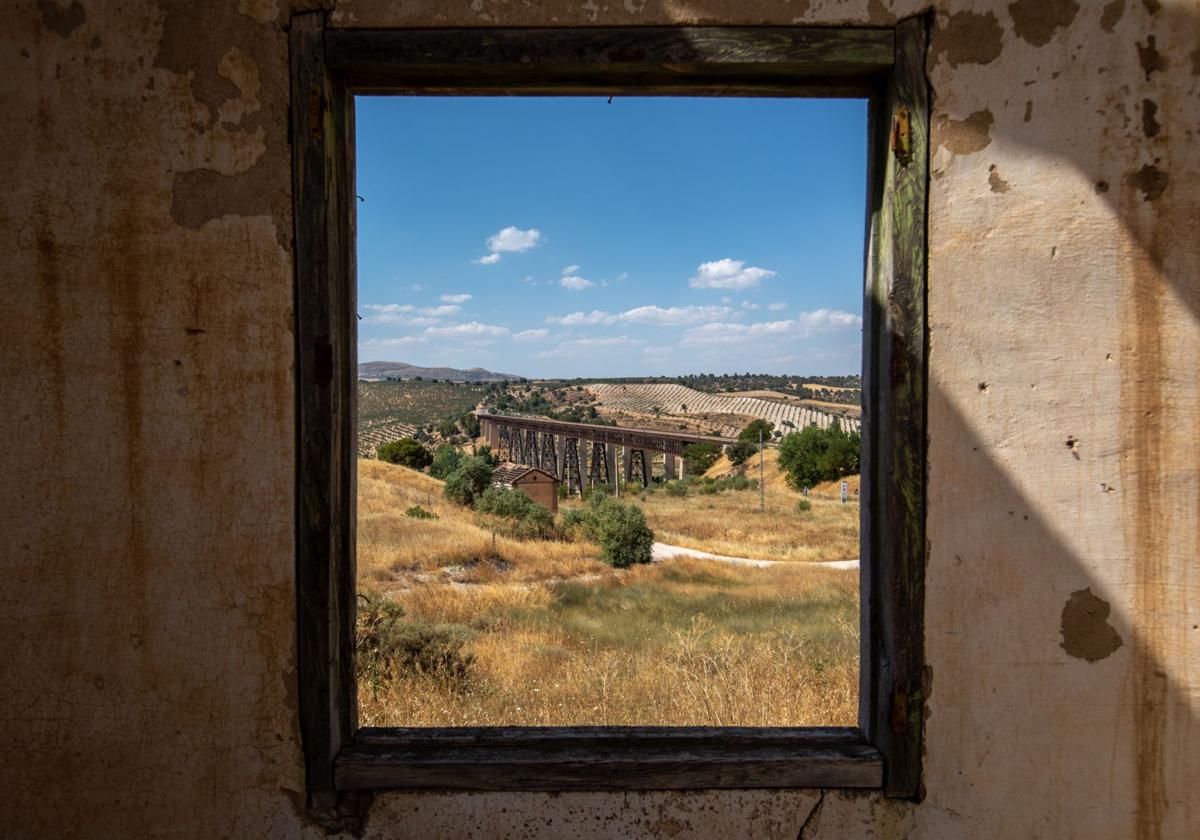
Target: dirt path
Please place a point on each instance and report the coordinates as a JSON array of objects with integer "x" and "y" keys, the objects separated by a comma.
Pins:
[{"x": 662, "y": 551}]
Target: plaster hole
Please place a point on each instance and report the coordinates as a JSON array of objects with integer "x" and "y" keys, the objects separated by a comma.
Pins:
[
  {"x": 1102, "y": 186},
  {"x": 983, "y": 386},
  {"x": 1107, "y": 488},
  {"x": 1073, "y": 445}
]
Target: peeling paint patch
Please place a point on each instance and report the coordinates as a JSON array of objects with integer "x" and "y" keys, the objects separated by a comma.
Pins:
[
  {"x": 998, "y": 185},
  {"x": 1150, "y": 126},
  {"x": 60, "y": 20},
  {"x": 201, "y": 195},
  {"x": 1149, "y": 57},
  {"x": 965, "y": 136},
  {"x": 1150, "y": 180},
  {"x": 967, "y": 38},
  {"x": 1112, "y": 15},
  {"x": 1036, "y": 21},
  {"x": 1086, "y": 633}
]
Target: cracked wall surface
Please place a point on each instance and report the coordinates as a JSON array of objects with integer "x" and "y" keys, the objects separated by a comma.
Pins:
[{"x": 146, "y": 500}]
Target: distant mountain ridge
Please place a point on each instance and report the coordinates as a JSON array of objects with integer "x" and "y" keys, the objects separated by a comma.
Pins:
[{"x": 403, "y": 370}]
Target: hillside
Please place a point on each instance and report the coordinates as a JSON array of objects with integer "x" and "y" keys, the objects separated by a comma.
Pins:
[{"x": 403, "y": 370}]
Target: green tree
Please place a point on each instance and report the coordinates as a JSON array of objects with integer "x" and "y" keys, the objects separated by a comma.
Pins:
[
  {"x": 619, "y": 529},
  {"x": 750, "y": 433},
  {"x": 445, "y": 461},
  {"x": 813, "y": 455},
  {"x": 468, "y": 481},
  {"x": 742, "y": 451},
  {"x": 698, "y": 457},
  {"x": 406, "y": 452}
]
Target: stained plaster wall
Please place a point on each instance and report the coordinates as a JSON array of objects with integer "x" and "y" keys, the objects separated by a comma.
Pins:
[{"x": 146, "y": 589}]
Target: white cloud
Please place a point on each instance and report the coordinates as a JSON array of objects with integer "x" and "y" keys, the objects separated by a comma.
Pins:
[
  {"x": 581, "y": 346},
  {"x": 623, "y": 276},
  {"x": 579, "y": 319},
  {"x": 529, "y": 281},
  {"x": 805, "y": 324},
  {"x": 455, "y": 298},
  {"x": 776, "y": 307},
  {"x": 417, "y": 287},
  {"x": 575, "y": 284},
  {"x": 473, "y": 329},
  {"x": 748, "y": 305},
  {"x": 663, "y": 316},
  {"x": 531, "y": 335},
  {"x": 728, "y": 274},
  {"x": 571, "y": 269},
  {"x": 510, "y": 240},
  {"x": 387, "y": 343},
  {"x": 405, "y": 314}
]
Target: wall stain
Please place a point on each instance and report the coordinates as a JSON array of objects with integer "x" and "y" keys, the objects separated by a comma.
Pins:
[
  {"x": 1086, "y": 633},
  {"x": 238, "y": 93},
  {"x": 60, "y": 20},
  {"x": 998, "y": 185},
  {"x": 1150, "y": 126},
  {"x": 965, "y": 136},
  {"x": 1112, "y": 15},
  {"x": 1149, "y": 57},
  {"x": 1150, "y": 181},
  {"x": 1147, "y": 522},
  {"x": 1036, "y": 21},
  {"x": 967, "y": 38}
]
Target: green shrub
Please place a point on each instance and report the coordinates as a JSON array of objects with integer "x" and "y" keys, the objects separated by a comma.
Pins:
[
  {"x": 751, "y": 432},
  {"x": 619, "y": 529},
  {"x": 406, "y": 452},
  {"x": 813, "y": 455},
  {"x": 676, "y": 488},
  {"x": 384, "y": 642},
  {"x": 445, "y": 461},
  {"x": 710, "y": 488},
  {"x": 804, "y": 506},
  {"x": 525, "y": 518},
  {"x": 471, "y": 478},
  {"x": 740, "y": 482},
  {"x": 742, "y": 451},
  {"x": 698, "y": 457},
  {"x": 418, "y": 512}
]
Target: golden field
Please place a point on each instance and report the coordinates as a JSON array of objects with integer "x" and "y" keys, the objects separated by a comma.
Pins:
[
  {"x": 554, "y": 637},
  {"x": 731, "y": 523}
]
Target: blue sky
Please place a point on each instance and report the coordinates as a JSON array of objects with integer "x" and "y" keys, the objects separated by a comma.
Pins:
[{"x": 551, "y": 237}]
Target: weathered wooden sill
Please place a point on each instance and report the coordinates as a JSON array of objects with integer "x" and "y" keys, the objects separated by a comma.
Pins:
[{"x": 607, "y": 758}]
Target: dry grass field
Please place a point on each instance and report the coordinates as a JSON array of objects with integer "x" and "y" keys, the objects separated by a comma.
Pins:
[
  {"x": 731, "y": 522},
  {"x": 551, "y": 636}
]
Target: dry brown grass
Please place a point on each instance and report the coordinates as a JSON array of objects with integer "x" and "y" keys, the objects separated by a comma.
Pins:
[
  {"x": 731, "y": 522},
  {"x": 392, "y": 545},
  {"x": 558, "y": 638},
  {"x": 685, "y": 643}
]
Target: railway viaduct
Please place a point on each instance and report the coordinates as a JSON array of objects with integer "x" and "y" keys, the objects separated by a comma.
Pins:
[{"x": 584, "y": 454}]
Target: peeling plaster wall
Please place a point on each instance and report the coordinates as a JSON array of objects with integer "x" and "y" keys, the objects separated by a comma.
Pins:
[{"x": 146, "y": 589}]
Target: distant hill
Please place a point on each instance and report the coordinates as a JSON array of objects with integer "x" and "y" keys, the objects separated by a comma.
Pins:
[{"x": 402, "y": 370}]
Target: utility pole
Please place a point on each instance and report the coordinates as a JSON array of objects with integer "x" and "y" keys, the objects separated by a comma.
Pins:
[{"x": 762, "y": 488}]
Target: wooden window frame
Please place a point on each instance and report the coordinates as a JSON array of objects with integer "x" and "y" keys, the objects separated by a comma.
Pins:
[{"x": 885, "y": 65}]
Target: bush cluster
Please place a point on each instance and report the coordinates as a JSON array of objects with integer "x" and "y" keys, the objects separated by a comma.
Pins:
[
  {"x": 418, "y": 512},
  {"x": 524, "y": 518},
  {"x": 813, "y": 455},
  {"x": 469, "y": 480},
  {"x": 407, "y": 452},
  {"x": 619, "y": 529},
  {"x": 384, "y": 643}
]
